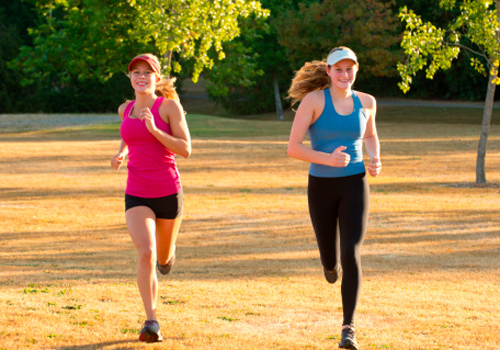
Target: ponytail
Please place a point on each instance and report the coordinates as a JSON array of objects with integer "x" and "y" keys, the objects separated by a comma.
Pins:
[
  {"x": 165, "y": 88},
  {"x": 311, "y": 77}
]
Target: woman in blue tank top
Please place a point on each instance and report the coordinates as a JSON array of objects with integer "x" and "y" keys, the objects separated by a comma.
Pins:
[{"x": 338, "y": 120}]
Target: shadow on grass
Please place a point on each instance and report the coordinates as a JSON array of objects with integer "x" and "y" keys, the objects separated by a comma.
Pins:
[
  {"x": 116, "y": 345},
  {"x": 226, "y": 247}
]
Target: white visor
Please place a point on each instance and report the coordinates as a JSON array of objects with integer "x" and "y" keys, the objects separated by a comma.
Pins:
[{"x": 339, "y": 55}]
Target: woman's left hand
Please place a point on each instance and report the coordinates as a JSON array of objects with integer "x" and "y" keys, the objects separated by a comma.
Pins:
[
  {"x": 148, "y": 118},
  {"x": 375, "y": 167}
]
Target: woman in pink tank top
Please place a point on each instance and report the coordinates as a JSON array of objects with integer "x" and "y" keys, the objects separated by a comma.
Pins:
[{"x": 153, "y": 131}]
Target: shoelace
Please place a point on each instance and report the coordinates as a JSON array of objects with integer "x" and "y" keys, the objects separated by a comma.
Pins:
[
  {"x": 150, "y": 323},
  {"x": 348, "y": 332}
]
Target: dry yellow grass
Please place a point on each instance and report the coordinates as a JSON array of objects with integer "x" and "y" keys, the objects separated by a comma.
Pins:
[{"x": 248, "y": 274}]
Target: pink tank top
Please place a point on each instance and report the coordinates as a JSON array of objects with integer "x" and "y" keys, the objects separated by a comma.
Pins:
[{"x": 152, "y": 171}]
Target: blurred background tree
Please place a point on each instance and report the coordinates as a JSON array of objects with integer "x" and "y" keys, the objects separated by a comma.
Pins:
[
  {"x": 473, "y": 28},
  {"x": 256, "y": 73},
  {"x": 56, "y": 54},
  {"x": 75, "y": 43}
]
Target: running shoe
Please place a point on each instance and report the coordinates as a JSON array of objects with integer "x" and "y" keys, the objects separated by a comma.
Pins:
[
  {"x": 150, "y": 333},
  {"x": 348, "y": 340},
  {"x": 332, "y": 276},
  {"x": 165, "y": 269}
]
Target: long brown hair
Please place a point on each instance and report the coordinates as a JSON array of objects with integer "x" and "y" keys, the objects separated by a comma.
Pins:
[{"x": 311, "y": 77}]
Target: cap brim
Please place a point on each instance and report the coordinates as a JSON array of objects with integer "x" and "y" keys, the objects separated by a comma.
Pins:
[
  {"x": 339, "y": 56},
  {"x": 143, "y": 59}
]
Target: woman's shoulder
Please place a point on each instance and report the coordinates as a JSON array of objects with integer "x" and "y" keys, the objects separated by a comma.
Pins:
[
  {"x": 122, "y": 108},
  {"x": 315, "y": 97},
  {"x": 316, "y": 94},
  {"x": 170, "y": 104},
  {"x": 311, "y": 106},
  {"x": 170, "y": 107},
  {"x": 367, "y": 100}
]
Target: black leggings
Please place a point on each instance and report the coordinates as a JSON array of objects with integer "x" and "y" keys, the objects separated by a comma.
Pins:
[{"x": 339, "y": 213}]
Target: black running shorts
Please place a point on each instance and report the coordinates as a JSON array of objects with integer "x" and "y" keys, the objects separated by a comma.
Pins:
[{"x": 168, "y": 207}]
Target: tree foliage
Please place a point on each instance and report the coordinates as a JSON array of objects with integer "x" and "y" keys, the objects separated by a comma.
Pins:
[
  {"x": 12, "y": 36},
  {"x": 427, "y": 46},
  {"x": 91, "y": 39},
  {"x": 368, "y": 27},
  {"x": 298, "y": 31},
  {"x": 243, "y": 81},
  {"x": 475, "y": 30},
  {"x": 75, "y": 47}
]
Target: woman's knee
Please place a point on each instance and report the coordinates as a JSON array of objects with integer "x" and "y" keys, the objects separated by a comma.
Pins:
[
  {"x": 350, "y": 256},
  {"x": 146, "y": 254}
]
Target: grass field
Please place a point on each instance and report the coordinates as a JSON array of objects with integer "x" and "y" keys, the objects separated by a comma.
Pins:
[{"x": 248, "y": 274}]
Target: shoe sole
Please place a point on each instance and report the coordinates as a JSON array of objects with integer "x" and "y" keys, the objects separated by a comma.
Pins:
[
  {"x": 150, "y": 337},
  {"x": 165, "y": 269},
  {"x": 349, "y": 346},
  {"x": 331, "y": 276}
]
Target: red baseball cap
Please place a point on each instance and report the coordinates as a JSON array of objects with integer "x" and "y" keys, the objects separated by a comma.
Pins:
[{"x": 149, "y": 59}]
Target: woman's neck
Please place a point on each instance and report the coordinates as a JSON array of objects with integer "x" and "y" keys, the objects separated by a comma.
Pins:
[
  {"x": 142, "y": 101},
  {"x": 339, "y": 95},
  {"x": 145, "y": 100}
]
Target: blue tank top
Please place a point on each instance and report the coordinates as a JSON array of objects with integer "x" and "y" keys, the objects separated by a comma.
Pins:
[{"x": 332, "y": 130}]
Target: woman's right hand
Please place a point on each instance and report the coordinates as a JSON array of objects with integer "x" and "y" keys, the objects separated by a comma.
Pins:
[
  {"x": 338, "y": 158},
  {"x": 117, "y": 161}
]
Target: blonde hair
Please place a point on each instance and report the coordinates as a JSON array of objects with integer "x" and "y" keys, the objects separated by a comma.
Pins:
[
  {"x": 165, "y": 87},
  {"x": 311, "y": 77}
]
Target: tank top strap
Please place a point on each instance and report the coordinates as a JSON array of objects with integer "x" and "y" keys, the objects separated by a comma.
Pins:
[
  {"x": 157, "y": 104},
  {"x": 328, "y": 102},
  {"x": 128, "y": 109},
  {"x": 357, "y": 102}
]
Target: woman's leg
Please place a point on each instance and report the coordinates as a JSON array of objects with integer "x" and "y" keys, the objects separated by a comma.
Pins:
[
  {"x": 166, "y": 236},
  {"x": 323, "y": 210},
  {"x": 353, "y": 219},
  {"x": 141, "y": 223}
]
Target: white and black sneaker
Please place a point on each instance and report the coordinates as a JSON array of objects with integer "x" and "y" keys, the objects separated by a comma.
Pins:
[{"x": 348, "y": 339}]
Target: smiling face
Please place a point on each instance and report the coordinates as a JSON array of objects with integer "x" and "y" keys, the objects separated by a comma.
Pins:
[
  {"x": 343, "y": 74},
  {"x": 143, "y": 78}
]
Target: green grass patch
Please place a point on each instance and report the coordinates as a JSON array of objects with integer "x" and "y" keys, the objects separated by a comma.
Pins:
[
  {"x": 434, "y": 115},
  {"x": 266, "y": 125},
  {"x": 218, "y": 127},
  {"x": 226, "y": 318}
]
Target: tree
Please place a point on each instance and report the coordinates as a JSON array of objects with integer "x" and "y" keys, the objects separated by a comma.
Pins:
[
  {"x": 256, "y": 68},
  {"x": 13, "y": 35},
  {"x": 475, "y": 31},
  {"x": 91, "y": 39},
  {"x": 298, "y": 31},
  {"x": 367, "y": 27}
]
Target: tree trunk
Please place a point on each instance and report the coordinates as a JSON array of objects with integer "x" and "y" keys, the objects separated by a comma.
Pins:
[
  {"x": 485, "y": 130},
  {"x": 277, "y": 98},
  {"x": 488, "y": 109},
  {"x": 168, "y": 65}
]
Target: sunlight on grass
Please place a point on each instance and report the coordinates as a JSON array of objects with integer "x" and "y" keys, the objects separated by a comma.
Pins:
[{"x": 248, "y": 274}]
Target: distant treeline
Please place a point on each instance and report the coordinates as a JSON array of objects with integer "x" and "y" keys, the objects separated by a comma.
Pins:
[{"x": 259, "y": 62}]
